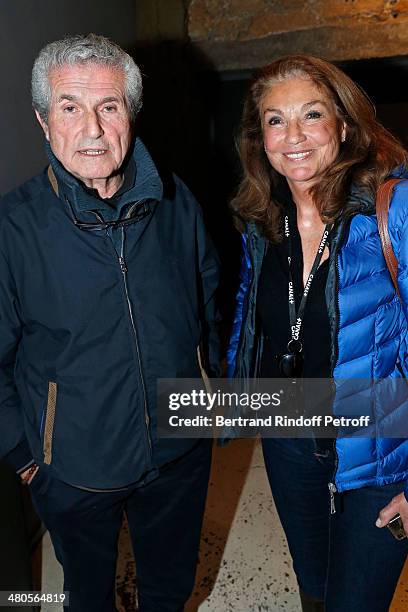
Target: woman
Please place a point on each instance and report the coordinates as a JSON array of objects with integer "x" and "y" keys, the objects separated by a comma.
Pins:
[{"x": 313, "y": 157}]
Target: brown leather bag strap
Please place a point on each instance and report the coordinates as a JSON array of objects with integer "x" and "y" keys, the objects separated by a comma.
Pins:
[{"x": 382, "y": 206}]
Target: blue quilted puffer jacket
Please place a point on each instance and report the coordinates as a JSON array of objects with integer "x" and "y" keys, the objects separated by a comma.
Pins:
[{"x": 368, "y": 328}]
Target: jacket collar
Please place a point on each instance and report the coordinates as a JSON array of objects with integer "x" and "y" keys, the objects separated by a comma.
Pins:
[
  {"x": 140, "y": 171},
  {"x": 361, "y": 202}
]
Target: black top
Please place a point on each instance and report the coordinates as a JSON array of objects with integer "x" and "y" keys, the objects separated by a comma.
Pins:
[{"x": 273, "y": 308}]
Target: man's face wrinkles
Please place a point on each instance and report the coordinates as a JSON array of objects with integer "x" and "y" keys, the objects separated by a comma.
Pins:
[{"x": 88, "y": 126}]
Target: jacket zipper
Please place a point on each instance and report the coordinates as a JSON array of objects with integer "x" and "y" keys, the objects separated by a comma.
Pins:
[
  {"x": 123, "y": 268},
  {"x": 331, "y": 485},
  {"x": 332, "y": 491}
]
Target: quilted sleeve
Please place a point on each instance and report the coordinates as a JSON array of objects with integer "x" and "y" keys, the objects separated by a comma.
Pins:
[{"x": 245, "y": 278}]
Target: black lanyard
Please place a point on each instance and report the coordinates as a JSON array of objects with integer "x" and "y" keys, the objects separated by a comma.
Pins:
[{"x": 296, "y": 319}]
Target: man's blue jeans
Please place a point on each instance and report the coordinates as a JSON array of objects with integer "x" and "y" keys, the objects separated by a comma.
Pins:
[{"x": 341, "y": 558}]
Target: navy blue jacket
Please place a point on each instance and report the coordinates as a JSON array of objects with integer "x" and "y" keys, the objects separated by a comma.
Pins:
[
  {"x": 90, "y": 320},
  {"x": 368, "y": 330}
]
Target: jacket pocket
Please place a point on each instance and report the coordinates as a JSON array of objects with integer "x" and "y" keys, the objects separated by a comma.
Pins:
[{"x": 49, "y": 422}]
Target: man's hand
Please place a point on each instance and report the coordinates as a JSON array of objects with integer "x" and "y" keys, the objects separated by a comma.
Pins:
[
  {"x": 398, "y": 504},
  {"x": 29, "y": 474}
]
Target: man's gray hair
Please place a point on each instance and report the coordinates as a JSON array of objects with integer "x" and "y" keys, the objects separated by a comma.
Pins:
[{"x": 84, "y": 49}]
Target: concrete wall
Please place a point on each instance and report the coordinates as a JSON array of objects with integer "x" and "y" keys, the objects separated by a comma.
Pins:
[
  {"x": 159, "y": 20},
  {"x": 25, "y": 26}
]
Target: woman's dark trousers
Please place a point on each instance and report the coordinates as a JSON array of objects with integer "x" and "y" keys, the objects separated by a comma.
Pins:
[{"x": 341, "y": 558}]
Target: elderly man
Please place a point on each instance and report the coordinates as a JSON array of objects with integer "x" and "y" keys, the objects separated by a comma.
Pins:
[{"x": 107, "y": 282}]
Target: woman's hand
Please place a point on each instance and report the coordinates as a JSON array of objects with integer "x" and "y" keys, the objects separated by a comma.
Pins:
[{"x": 398, "y": 504}]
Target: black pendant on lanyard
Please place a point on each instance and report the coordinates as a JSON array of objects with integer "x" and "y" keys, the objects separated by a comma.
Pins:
[{"x": 291, "y": 363}]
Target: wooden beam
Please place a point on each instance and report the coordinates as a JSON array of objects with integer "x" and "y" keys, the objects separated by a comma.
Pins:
[
  {"x": 251, "y": 19},
  {"x": 334, "y": 43}
]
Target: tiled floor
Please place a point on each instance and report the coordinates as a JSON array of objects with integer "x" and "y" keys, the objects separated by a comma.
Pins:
[{"x": 244, "y": 561}]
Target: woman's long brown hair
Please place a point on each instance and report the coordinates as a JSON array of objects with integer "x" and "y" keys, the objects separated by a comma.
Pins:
[{"x": 368, "y": 155}]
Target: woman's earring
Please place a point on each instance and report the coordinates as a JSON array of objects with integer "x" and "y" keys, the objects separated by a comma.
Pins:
[{"x": 343, "y": 137}]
